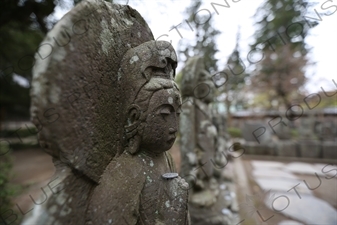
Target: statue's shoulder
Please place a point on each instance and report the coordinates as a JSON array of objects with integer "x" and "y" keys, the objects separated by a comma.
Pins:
[
  {"x": 126, "y": 166},
  {"x": 117, "y": 197}
]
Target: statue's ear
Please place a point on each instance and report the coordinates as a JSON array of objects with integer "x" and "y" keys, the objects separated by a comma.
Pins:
[
  {"x": 131, "y": 131},
  {"x": 133, "y": 114},
  {"x": 133, "y": 144}
]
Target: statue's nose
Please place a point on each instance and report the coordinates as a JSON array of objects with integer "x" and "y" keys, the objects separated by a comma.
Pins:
[{"x": 172, "y": 130}]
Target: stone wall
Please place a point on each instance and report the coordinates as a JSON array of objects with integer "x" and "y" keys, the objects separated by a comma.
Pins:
[{"x": 293, "y": 148}]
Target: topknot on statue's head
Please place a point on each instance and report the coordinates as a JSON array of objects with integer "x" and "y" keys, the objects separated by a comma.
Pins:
[{"x": 152, "y": 59}]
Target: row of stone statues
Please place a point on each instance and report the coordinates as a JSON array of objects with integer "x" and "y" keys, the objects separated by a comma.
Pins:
[
  {"x": 203, "y": 147},
  {"x": 113, "y": 86}
]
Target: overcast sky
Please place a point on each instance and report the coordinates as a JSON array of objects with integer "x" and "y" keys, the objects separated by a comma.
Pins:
[{"x": 163, "y": 15}]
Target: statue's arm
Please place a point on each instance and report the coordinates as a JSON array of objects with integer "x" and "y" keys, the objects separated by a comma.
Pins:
[{"x": 116, "y": 199}]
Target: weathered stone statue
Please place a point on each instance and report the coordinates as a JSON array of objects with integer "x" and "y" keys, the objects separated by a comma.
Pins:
[
  {"x": 203, "y": 152},
  {"x": 110, "y": 105}
]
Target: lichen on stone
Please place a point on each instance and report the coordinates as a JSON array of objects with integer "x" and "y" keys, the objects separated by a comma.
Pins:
[{"x": 106, "y": 37}]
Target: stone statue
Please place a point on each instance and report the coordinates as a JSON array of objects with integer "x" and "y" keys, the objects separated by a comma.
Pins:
[
  {"x": 112, "y": 89},
  {"x": 152, "y": 121},
  {"x": 203, "y": 151}
]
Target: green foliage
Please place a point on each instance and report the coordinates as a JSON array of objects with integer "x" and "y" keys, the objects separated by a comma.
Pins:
[
  {"x": 327, "y": 102},
  {"x": 21, "y": 146},
  {"x": 16, "y": 57},
  {"x": 7, "y": 191},
  {"x": 235, "y": 69},
  {"x": 294, "y": 133},
  {"x": 284, "y": 48},
  {"x": 23, "y": 132},
  {"x": 262, "y": 100},
  {"x": 23, "y": 24},
  {"x": 205, "y": 45},
  {"x": 22, "y": 27},
  {"x": 234, "y": 132},
  {"x": 16, "y": 135},
  {"x": 276, "y": 16},
  {"x": 236, "y": 76},
  {"x": 5, "y": 167},
  {"x": 320, "y": 100},
  {"x": 178, "y": 78}
]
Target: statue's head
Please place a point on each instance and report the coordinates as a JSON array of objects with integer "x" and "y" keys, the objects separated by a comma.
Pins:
[
  {"x": 204, "y": 90},
  {"x": 152, "y": 115},
  {"x": 196, "y": 80}
]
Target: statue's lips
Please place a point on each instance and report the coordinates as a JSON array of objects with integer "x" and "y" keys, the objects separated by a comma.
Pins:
[
  {"x": 162, "y": 75},
  {"x": 171, "y": 139}
]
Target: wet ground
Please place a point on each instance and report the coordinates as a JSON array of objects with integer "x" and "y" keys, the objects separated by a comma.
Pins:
[{"x": 314, "y": 188}]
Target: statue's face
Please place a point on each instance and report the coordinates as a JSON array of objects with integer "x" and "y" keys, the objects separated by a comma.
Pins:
[
  {"x": 205, "y": 91},
  {"x": 162, "y": 121},
  {"x": 210, "y": 95}
]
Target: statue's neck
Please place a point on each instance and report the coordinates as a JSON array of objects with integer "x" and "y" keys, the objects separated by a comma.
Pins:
[
  {"x": 157, "y": 163},
  {"x": 152, "y": 155}
]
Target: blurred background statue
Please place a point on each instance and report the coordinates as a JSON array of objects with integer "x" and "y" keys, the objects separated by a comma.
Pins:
[{"x": 203, "y": 151}]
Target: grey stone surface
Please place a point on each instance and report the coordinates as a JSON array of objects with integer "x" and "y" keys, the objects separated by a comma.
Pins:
[
  {"x": 280, "y": 184},
  {"x": 308, "y": 209},
  {"x": 289, "y": 222},
  {"x": 327, "y": 170},
  {"x": 273, "y": 173},
  {"x": 307, "y": 126},
  {"x": 255, "y": 148},
  {"x": 257, "y": 132},
  {"x": 329, "y": 150},
  {"x": 303, "y": 168},
  {"x": 287, "y": 148},
  {"x": 266, "y": 164},
  {"x": 310, "y": 149},
  {"x": 326, "y": 130},
  {"x": 282, "y": 131}
]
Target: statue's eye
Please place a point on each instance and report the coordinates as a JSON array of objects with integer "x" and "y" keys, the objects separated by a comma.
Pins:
[{"x": 165, "y": 111}]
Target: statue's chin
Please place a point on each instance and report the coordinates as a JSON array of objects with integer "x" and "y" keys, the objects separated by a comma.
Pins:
[
  {"x": 158, "y": 147},
  {"x": 157, "y": 151},
  {"x": 170, "y": 143}
]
